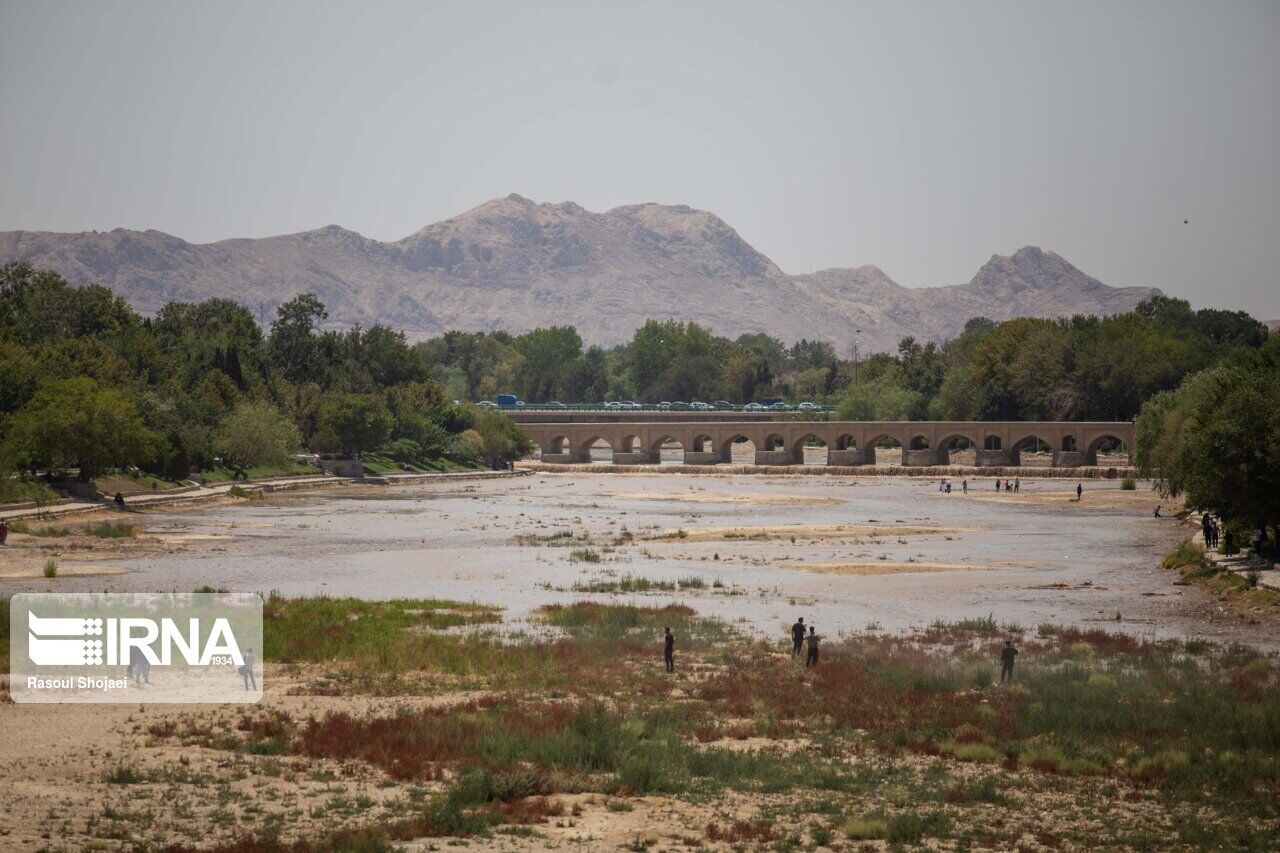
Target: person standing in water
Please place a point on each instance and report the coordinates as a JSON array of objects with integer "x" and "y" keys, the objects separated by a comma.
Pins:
[{"x": 669, "y": 650}]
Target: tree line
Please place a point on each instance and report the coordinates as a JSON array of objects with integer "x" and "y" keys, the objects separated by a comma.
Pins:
[
  {"x": 86, "y": 383},
  {"x": 1077, "y": 368}
]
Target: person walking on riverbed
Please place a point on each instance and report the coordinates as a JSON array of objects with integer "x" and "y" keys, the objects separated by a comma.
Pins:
[
  {"x": 1007, "y": 654},
  {"x": 669, "y": 650},
  {"x": 812, "y": 640},
  {"x": 1079, "y": 492},
  {"x": 797, "y": 637}
]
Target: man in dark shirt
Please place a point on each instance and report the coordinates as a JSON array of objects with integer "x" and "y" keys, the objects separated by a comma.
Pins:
[
  {"x": 669, "y": 649},
  {"x": 1007, "y": 654},
  {"x": 797, "y": 637}
]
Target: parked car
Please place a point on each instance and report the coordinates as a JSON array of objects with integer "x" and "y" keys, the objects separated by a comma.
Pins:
[
  {"x": 679, "y": 406},
  {"x": 487, "y": 404},
  {"x": 722, "y": 404},
  {"x": 555, "y": 404},
  {"x": 613, "y": 404},
  {"x": 753, "y": 407},
  {"x": 807, "y": 406},
  {"x": 665, "y": 404},
  {"x": 700, "y": 406},
  {"x": 778, "y": 407}
]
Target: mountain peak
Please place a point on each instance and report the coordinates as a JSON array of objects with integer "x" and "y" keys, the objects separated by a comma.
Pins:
[{"x": 513, "y": 263}]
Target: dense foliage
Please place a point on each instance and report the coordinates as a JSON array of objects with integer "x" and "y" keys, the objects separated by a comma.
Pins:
[
  {"x": 1216, "y": 439},
  {"x": 88, "y": 384},
  {"x": 1081, "y": 368}
]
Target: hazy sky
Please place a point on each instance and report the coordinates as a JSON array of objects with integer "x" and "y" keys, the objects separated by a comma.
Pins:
[{"x": 921, "y": 137}]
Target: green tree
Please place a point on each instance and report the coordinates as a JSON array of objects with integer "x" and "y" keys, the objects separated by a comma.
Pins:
[
  {"x": 293, "y": 345},
  {"x": 881, "y": 399},
  {"x": 547, "y": 357},
  {"x": 1216, "y": 440},
  {"x": 256, "y": 435},
  {"x": 358, "y": 422},
  {"x": 501, "y": 440},
  {"x": 77, "y": 423}
]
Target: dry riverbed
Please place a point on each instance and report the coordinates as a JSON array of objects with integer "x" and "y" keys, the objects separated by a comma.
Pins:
[{"x": 844, "y": 551}]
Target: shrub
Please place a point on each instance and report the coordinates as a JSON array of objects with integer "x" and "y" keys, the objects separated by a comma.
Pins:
[
  {"x": 51, "y": 568},
  {"x": 971, "y": 751},
  {"x": 1128, "y": 484},
  {"x": 1159, "y": 766},
  {"x": 111, "y": 530},
  {"x": 865, "y": 829}
]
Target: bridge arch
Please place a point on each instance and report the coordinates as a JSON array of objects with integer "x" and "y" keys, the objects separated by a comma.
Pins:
[
  {"x": 1033, "y": 442},
  {"x": 991, "y": 442},
  {"x": 558, "y": 444},
  {"x": 963, "y": 442},
  {"x": 1106, "y": 442},
  {"x": 846, "y": 441},
  {"x": 774, "y": 441},
  {"x": 703, "y": 443},
  {"x": 738, "y": 445},
  {"x": 630, "y": 443},
  {"x": 597, "y": 447},
  {"x": 809, "y": 439},
  {"x": 879, "y": 442}
]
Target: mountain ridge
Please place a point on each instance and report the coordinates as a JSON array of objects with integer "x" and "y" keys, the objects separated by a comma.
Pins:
[{"x": 511, "y": 263}]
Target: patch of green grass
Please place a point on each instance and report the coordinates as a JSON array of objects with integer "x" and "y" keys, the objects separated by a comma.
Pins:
[
  {"x": 50, "y": 568},
  {"x": 112, "y": 530},
  {"x": 226, "y": 475},
  {"x": 865, "y": 828},
  {"x": 24, "y": 489},
  {"x": 379, "y": 636}
]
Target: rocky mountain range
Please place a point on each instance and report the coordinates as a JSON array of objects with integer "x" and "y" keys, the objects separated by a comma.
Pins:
[{"x": 514, "y": 264}]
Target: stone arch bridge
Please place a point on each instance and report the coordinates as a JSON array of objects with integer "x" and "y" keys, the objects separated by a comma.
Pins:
[{"x": 923, "y": 443}]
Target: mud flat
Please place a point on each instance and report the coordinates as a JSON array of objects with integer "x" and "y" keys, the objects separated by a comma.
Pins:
[{"x": 845, "y": 552}]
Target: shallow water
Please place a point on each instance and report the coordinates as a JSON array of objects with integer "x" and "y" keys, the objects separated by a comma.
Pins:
[{"x": 454, "y": 540}]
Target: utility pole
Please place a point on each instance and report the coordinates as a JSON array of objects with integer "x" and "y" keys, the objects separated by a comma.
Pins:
[{"x": 856, "y": 332}]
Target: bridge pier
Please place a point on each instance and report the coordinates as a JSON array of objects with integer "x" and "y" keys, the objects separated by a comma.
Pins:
[
  {"x": 705, "y": 457},
  {"x": 850, "y": 457},
  {"x": 564, "y": 458},
  {"x": 1070, "y": 459},
  {"x": 996, "y": 459},
  {"x": 926, "y": 458},
  {"x": 773, "y": 457},
  {"x": 639, "y": 457}
]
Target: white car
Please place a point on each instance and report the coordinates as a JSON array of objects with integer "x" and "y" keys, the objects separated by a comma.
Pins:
[
  {"x": 665, "y": 404},
  {"x": 807, "y": 406},
  {"x": 753, "y": 407},
  {"x": 700, "y": 406}
]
